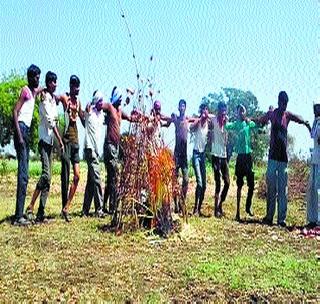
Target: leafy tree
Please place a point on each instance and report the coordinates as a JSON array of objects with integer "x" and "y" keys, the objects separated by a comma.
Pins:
[
  {"x": 10, "y": 87},
  {"x": 233, "y": 97}
]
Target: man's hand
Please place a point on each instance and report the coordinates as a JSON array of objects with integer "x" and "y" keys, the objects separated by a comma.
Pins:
[
  {"x": 88, "y": 108},
  {"x": 21, "y": 141},
  {"x": 61, "y": 147}
]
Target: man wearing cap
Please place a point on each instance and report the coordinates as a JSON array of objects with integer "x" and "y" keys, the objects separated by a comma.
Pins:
[
  {"x": 111, "y": 146},
  {"x": 72, "y": 110},
  {"x": 93, "y": 124}
]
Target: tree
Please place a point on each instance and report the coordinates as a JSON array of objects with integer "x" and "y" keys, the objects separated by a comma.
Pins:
[
  {"x": 10, "y": 87},
  {"x": 233, "y": 97}
]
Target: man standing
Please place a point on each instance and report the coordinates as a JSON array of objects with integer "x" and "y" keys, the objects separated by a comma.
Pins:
[
  {"x": 180, "y": 151},
  {"x": 93, "y": 124},
  {"x": 200, "y": 129},
  {"x": 72, "y": 110},
  {"x": 47, "y": 130},
  {"x": 22, "y": 116},
  {"x": 219, "y": 157},
  {"x": 242, "y": 127},
  {"x": 111, "y": 147},
  {"x": 277, "y": 175}
]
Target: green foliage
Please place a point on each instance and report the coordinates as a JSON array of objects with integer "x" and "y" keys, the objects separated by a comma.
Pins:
[
  {"x": 233, "y": 97},
  {"x": 10, "y": 87},
  {"x": 9, "y": 93}
]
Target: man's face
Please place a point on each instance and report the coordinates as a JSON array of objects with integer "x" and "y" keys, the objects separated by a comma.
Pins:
[
  {"x": 282, "y": 104},
  {"x": 34, "y": 81},
  {"x": 99, "y": 104},
  {"x": 157, "y": 109},
  {"x": 316, "y": 110},
  {"x": 223, "y": 113},
  {"x": 74, "y": 90},
  {"x": 52, "y": 85},
  {"x": 182, "y": 108},
  {"x": 204, "y": 112},
  {"x": 241, "y": 113}
]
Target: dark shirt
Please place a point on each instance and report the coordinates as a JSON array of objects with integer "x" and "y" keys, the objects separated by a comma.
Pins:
[{"x": 279, "y": 133}]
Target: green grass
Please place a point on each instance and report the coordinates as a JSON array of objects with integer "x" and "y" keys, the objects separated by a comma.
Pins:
[{"x": 209, "y": 260}]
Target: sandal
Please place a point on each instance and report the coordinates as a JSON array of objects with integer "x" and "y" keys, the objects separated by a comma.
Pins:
[{"x": 30, "y": 215}]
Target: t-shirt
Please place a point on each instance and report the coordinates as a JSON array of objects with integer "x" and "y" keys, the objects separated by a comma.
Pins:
[
  {"x": 279, "y": 133},
  {"x": 219, "y": 139},
  {"x": 48, "y": 117},
  {"x": 243, "y": 131},
  {"x": 93, "y": 126},
  {"x": 200, "y": 137}
]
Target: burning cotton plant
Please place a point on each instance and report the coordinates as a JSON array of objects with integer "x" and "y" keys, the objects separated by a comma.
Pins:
[{"x": 146, "y": 186}]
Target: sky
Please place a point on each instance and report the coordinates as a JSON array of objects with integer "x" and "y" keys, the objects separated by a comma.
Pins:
[{"x": 198, "y": 47}]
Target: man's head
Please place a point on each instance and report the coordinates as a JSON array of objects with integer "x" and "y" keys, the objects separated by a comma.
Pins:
[
  {"x": 116, "y": 97},
  {"x": 182, "y": 106},
  {"x": 241, "y": 112},
  {"x": 283, "y": 101},
  {"x": 316, "y": 109},
  {"x": 97, "y": 99},
  {"x": 222, "y": 108},
  {"x": 74, "y": 85},
  {"x": 33, "y": 75},
  {"x": 157, "y": 107},
  {"x": 51, "y": 81},
  {"x": 203, "y": 110}
]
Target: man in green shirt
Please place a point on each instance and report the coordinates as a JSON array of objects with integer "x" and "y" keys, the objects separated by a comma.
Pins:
[{"x": 242, "y": 126}]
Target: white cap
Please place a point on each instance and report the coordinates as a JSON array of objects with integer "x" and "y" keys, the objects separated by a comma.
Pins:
[{"x": 97, "y": 96}]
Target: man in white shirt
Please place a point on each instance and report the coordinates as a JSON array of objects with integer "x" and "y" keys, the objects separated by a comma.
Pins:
[
  {"x": 47, "y": 130},
  {"x": 200, "y": 130},
  {"x": 93, "y": 124},
  {"x": 219, "y": 157},
  {"x": 22, "y": 117}
]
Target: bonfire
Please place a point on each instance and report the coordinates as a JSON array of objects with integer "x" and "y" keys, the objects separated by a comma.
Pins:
[{"x": 147, "y": 182}]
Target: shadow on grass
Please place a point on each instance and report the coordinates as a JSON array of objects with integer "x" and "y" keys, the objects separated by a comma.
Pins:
[
  {"x": 288, "y": 228},
  {"x": 8, "y": 219}
]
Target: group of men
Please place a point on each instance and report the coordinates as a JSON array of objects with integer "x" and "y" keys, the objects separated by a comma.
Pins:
[
  {"x": 212, "y": 130},
  {"x": 92, "y": 119},
  {"x": 207, "y": 129}
]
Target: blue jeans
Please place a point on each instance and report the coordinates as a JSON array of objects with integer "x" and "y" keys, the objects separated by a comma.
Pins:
[
  {"x": 23, "y": 168},
  {"x": 277, "y": 188},
  {"x": 199, "y": 166}
]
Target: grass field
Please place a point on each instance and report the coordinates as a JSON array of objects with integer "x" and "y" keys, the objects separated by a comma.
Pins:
[{"x": 214, "y": 260}]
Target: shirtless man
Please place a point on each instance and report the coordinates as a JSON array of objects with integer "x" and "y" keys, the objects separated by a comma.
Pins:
[
  {"x": 180, "y": 151},
  {"x": 72, "y": 110},
  {"x": 111, "y": 147}
]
